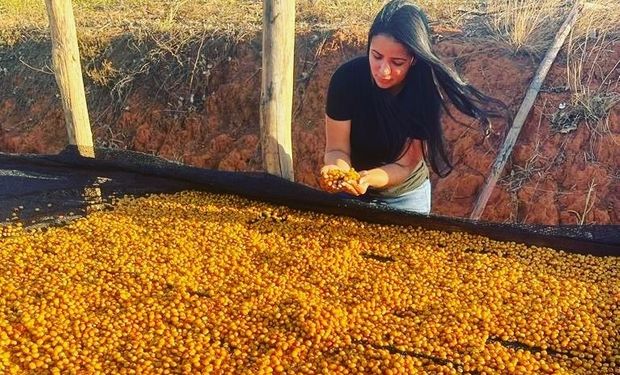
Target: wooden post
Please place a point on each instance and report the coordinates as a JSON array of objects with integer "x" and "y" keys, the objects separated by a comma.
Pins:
[
  {"x": 524, "y": 110},
  {"x": 277, "y": 86},
  {"x": 68, "y": 72}
]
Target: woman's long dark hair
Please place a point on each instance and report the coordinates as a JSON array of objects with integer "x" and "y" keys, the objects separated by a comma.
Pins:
[{"x": 428, "y": 77}]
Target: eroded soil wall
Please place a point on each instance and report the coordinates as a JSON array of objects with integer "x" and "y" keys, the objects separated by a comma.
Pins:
[{"x": 199, "y": 105}]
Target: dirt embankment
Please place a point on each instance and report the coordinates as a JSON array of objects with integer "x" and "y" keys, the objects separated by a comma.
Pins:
[{"x": 201, "y": 108}]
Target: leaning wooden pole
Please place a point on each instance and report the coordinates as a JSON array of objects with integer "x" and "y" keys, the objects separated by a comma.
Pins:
[
  {"x": 277, "y": 86},
  {"x": 68, "y": 72},
  {"x": 524, "y": 110}
]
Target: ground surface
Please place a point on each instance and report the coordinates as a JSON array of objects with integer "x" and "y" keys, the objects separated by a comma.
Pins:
[{"x": 200, "y": 105}]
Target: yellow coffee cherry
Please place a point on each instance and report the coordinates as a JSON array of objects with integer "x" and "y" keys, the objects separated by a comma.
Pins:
[
  {"x": 196, "y": 283},
  {"x": 334, "y": 180}
]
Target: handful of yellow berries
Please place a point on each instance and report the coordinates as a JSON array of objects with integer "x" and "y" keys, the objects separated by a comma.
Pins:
[{"x": 336, "y": 180}]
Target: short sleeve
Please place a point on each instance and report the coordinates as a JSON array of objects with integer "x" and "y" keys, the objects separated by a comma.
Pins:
[{"x": 338, "y": 105}]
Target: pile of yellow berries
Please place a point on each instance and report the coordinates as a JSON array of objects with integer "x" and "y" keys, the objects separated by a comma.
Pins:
[
  {"x": 335, "y": 180},
  {"x": 200, "y": 283}
]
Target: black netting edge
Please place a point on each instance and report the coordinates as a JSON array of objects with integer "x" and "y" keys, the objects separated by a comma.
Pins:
[{"x": 600, "y": 240}]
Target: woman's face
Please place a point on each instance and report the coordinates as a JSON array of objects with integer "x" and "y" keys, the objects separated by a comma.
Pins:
[{"x": 389, "y": 62}]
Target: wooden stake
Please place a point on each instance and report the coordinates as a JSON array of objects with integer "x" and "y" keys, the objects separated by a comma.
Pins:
[
  {"x": 277, "y": 86},
  {"x": 68, "y": 72},
  {"x": 524, "y": 110}
]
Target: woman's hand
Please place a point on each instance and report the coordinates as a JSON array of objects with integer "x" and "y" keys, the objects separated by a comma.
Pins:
[
  {"x": 363, "y": 183},
  {"x": 340, "y": 177}
]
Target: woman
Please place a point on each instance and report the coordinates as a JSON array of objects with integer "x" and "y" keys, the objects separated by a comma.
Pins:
[{"x": 383, "y": 112}]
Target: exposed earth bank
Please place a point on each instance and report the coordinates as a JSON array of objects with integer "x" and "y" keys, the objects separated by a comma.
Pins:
[{"x": 202, "y": 108}]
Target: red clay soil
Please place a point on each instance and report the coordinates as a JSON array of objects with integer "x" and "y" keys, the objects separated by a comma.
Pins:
[{"x": 573, "y": 177}]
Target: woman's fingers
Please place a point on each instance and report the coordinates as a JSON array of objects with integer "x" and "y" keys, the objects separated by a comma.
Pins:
[
  {"x": 341, "y": 182},
  {"x": 361, "y": 188},
  {"x": 361, "y": 185},
  {"x": 350, "y": 188}
]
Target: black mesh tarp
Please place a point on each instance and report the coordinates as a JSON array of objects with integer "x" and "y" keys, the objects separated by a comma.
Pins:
[{"x": 40, "y": 188}]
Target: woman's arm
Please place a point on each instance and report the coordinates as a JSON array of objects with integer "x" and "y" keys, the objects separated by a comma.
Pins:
[
  {"x": 338, "y": 149},
  {"x": 337, "y": 144},
  {"x": 392, "y": 174}
]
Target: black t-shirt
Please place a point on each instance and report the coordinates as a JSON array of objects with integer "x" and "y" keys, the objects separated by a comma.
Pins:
[{"x": 353, "y": 95}]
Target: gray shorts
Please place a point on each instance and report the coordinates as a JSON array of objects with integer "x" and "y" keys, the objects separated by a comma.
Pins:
[{"x": 417, "y": 200}]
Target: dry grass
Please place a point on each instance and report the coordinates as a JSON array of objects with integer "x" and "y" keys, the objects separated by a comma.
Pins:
[
  {"x": 533, "y": 167},
  {"x": 525, "y": 25},
  {"x": 21, "y": 18},
  {"x": 588, "y": 205},
  {"x": 520, "y": 175},
  {"x": 598, "y": 17},
  {"x": 110, "y": 18},
  {"x": 593, "y": 85},
  {"x": 592, "y": 74}
]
